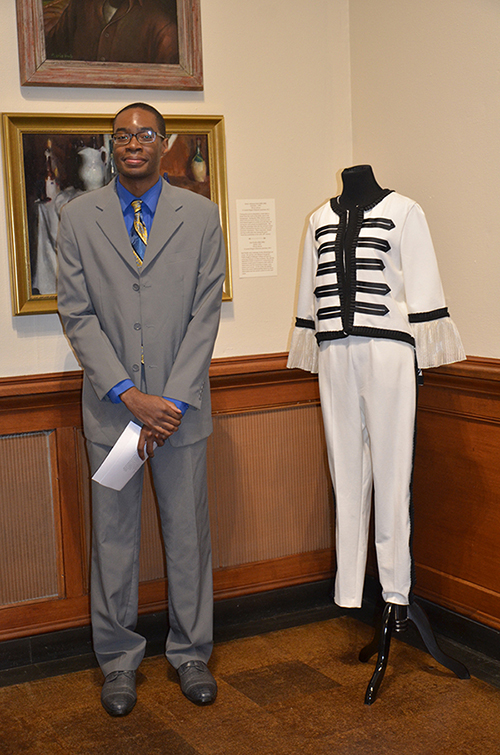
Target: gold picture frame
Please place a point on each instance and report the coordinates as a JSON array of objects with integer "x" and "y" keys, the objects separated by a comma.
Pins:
[
  {"x": 34, "y": 17},
  {"x": 44, "y": 158}
]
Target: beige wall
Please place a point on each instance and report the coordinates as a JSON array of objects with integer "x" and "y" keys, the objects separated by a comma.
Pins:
[
  {"x": 424, "y": 82},
  {"x": 269, "y": 69},
  {"x": 426, "y": 116}
]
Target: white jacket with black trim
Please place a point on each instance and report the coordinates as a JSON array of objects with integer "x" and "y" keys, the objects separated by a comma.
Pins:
[{"x": 372, "y": 272}]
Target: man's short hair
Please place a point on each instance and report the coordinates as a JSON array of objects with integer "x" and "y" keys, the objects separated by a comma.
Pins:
[{"x": 160, "y": 123}]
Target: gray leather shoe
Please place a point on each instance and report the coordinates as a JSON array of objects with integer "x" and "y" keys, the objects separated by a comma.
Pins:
[
  {"x": 118, "y": 695},
  {"x": 197, "y": 683}
]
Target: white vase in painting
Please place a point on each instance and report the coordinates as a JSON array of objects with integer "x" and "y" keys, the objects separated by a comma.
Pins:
[{"x": 93, "y": 168}]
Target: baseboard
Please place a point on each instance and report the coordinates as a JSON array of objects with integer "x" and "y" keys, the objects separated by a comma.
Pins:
[{"x": 69, "y": 650}]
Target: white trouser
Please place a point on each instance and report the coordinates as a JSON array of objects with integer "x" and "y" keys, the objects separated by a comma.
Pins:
[{"x": 368, "y": 399}]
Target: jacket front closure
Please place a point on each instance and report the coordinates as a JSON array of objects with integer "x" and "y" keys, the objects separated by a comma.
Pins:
[{"x": 345, "y": 265}]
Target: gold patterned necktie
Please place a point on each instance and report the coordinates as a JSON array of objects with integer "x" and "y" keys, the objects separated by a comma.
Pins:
[{"x": 139, "y": 233}]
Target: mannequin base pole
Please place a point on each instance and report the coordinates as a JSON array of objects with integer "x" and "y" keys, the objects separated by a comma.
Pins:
[{"x": 396, "y": 618}]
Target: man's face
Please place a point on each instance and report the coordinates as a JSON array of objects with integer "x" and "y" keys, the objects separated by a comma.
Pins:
[{"x": 134, "y": 161}]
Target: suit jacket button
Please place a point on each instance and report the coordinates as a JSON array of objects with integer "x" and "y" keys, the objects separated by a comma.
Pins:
[
  {"x": 136, "y": 287},
  {"x": 137, "y": 326},
  {"x": 135, "y": 367}
]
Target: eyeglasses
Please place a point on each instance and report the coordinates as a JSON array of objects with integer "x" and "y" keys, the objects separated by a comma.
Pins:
[{"x": 144, "y": 136}]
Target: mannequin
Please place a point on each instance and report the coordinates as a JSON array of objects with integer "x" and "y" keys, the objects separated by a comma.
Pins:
[
  {"x": 359, "y": 187},
  {"x": 371, "y": 311}
]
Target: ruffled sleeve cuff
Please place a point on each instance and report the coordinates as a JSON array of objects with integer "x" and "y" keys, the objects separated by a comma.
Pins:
[
  {"x": 437, "y": 342},
  {"x": 304, "y": 350}
]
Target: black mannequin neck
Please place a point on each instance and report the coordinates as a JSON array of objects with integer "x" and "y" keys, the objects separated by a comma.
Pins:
[{"x": 359, "y": 187}]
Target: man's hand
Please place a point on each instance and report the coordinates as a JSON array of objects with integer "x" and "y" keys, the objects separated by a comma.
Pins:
[
  {"x": 160, "y": 418},
  {"x": 147, "y": 439}
]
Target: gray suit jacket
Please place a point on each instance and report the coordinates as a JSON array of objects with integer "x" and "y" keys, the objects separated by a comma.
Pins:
[{"x": 170, "y": 308}]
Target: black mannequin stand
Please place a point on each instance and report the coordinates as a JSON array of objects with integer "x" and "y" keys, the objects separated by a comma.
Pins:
[{"x": 397, "y": 617}]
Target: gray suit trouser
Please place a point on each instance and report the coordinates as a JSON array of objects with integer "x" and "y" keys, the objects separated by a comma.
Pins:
[{"x": 179, "y": 476}]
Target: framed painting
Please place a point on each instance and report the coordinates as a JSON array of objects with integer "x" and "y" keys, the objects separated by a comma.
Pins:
[
  {"x": 50, "y": 159},
  {"x": 139, "y": 44}
]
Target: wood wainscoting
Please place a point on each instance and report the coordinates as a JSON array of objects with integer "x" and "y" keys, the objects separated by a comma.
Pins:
[
  {"x": 457, "y": 489},
  {"x": 270, "y": 496}
]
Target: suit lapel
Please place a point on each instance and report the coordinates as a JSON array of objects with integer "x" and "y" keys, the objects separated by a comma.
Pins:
[
  {"x": 166, "y": 221},
  {"x": 110, "y": 221}
]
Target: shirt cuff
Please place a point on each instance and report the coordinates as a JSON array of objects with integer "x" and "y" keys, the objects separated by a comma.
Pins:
[
  {"x": 179, "y": 404},
  {"x": 115, "y": 392}
]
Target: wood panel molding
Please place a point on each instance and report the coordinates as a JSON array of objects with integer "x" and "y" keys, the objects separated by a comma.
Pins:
[
  {"x": 457, "y": 489},
  {"x": 53, "y": 402},
  {"x": 476, "y": 375},
  {"x": 250, "y": 578},
  {"x": 456, "y": 483},
  {"x": 468, "y": 389},
  {"x": 459, "y": 595},
  {"x": 237, "y": 384},
  {"x": 479, "y": 369},
  {"x": 41, "y": 616}
]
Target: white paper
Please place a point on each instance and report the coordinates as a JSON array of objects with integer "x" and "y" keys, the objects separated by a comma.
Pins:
[
  {"x": 257, "y": 237},
  {"x": 123, "y": 461}
]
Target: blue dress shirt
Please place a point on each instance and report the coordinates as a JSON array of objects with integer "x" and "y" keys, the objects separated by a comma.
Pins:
[{"x": 149, "y": 203}]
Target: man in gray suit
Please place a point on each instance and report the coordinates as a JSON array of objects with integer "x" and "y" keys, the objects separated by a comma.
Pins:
[{"x": 139, "y": 294}]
